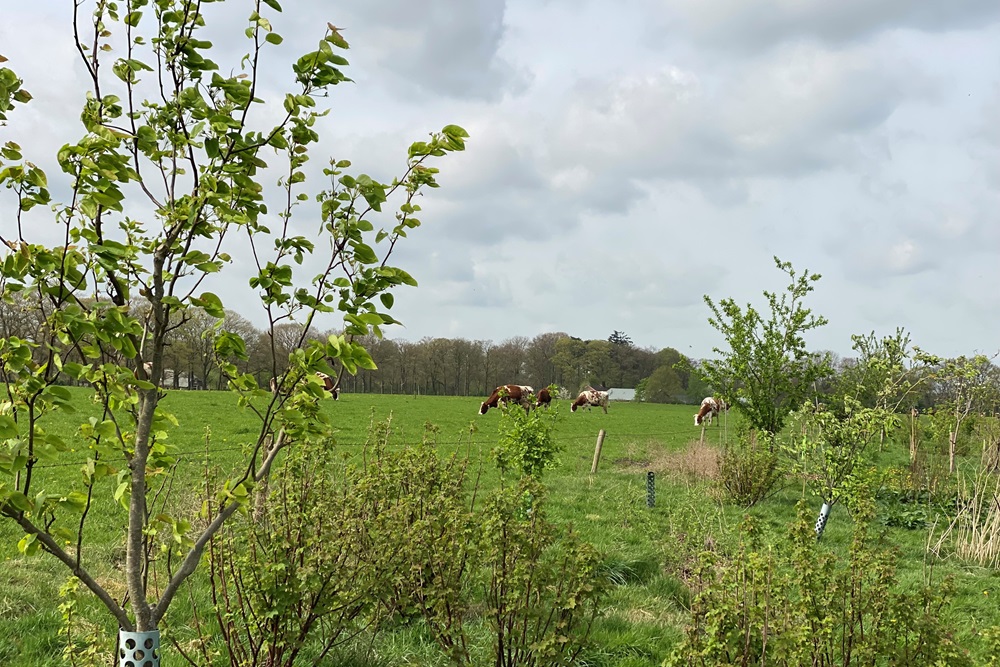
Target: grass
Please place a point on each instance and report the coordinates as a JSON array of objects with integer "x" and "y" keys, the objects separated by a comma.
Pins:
[{"x": 648, "y": 551}]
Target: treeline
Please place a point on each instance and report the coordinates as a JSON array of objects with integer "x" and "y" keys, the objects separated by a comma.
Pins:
[
  {"x": 431, "y": 366},
  {"x": 461, "y": 367}
]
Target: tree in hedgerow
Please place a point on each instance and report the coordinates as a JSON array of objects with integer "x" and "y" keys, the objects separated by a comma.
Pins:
[
  {"x": 180, "y": 163},
  {"x": 767, "y": 370}
]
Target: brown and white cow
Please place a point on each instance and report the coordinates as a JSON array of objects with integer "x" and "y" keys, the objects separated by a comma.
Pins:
[
  {"x": 508, "y": 393},
  {"x": 544, "y": 398},
  {"x": 591, "y": 397},
  {"x": 326, "y": 380},
  {"x": 710, "y": 408},
  {"x": 329, "y": 385}
]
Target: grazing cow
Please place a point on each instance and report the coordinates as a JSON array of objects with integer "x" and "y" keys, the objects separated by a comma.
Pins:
[
  {"x": 591, "y": 397},
  {"x": 710, "y": 408},
  {"x": 544, "y": 397},
  {"x": 516, "y": 393},
  {"x": 329, "y": 385}
]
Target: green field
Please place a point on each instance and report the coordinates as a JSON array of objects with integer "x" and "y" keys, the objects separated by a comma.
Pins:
[{"x": 647, "y": 550}]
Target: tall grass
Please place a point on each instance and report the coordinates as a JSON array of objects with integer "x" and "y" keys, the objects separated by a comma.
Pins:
[{"x": 973, "y": 534}]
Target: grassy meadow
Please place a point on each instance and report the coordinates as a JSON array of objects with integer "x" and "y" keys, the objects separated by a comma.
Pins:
[{"x": 648, "y": 551}]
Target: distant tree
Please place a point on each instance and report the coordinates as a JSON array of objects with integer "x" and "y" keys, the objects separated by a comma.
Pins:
[
  {"x": 510, "y": 361},
  {"x": 767, "y": 370},
  {"x": 539, "y": 360},
  {"x": 599, "y": 364},
  {"x": 620, "y": 338},
  {"x": 697, "y": 387},
  {"x": 569, "y": 359},
  {"x": 663, "y": 386}
]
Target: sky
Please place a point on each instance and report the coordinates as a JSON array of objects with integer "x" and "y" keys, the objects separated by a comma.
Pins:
[{"x": 628, "y": 157}]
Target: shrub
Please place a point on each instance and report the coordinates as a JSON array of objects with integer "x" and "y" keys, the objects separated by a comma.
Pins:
[
  {"x": 790, "y": 604},
  {"x": 544, "y": 586},
  {"x": 332, "y": 551},
  {"x": 527, "y": 444},
  {"x": 749, "y": 471}
]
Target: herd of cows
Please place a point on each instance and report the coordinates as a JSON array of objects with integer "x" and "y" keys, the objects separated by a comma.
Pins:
[{"x": 525, "y": 396}]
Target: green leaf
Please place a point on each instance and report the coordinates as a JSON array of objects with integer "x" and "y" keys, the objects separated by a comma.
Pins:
[
  {"x": 8, "y": 427},
  {"x": 212, "y": 148},
  {"x": 210, "y": 303},
  {"x": 121, "y": 494},
  {"x": 365, "y": 254},
  {"x": 28, "y": 545},
  {"x": 20, "y": 501}
]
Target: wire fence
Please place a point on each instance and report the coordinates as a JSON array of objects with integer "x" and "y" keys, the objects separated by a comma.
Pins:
[{"x": 611, "y": 436}]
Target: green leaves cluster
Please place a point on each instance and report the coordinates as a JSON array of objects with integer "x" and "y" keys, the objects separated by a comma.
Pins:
[{"x": 11, "y": 91}]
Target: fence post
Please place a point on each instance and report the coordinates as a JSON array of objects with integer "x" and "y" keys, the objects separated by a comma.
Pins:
[
  {"x": 597, "y": 451},
  {"x": 650, "y": 488}
]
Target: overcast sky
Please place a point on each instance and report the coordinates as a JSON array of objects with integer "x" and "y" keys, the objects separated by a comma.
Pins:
[{"x": 628, "y": 157}]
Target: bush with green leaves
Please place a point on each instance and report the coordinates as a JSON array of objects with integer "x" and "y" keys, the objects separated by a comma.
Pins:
[
  {"x": 527, "y": 443},
  {"x": 789, "y": 602},
  {"x": 336, "y": 551},
  {"x": 750, "y": 469},
  {"x": 544, "y": 586}
]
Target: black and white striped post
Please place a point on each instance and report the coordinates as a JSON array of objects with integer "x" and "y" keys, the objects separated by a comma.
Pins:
[{"x": 650, "y": 489}]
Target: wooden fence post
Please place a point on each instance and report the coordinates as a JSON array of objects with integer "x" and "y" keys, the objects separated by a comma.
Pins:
[{"x": 597, "y": 451}]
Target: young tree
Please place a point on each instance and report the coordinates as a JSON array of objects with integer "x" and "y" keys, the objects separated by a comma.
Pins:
[
  {"x": 166, "y": 182},
  {"x": 963, "y": 385},
  {"x": 862, "y": 404},
  {"x": 767, "y": 371}
]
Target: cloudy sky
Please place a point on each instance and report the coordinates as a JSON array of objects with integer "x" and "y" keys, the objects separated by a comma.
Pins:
[{"x": 628, "y": 157}]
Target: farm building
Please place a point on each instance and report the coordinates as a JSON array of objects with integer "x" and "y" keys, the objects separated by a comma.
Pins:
[{"x": 621, "y": 394}]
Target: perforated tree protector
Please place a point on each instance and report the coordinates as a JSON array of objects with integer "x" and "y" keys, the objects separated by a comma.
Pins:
[{"x": 139, "y": 649}]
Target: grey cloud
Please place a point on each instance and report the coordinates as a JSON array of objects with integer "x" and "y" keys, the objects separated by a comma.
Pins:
[
  {"x": 910, "y": 242},
  {"x": 735, "y": 25},
  {"x": 799, "y": 112},
  {"x": 441, "y": 47},
  {"x": 431, "y": 48}
]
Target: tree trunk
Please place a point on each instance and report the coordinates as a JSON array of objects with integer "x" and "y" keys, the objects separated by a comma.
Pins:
[{"x": 952, "y": 446}]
